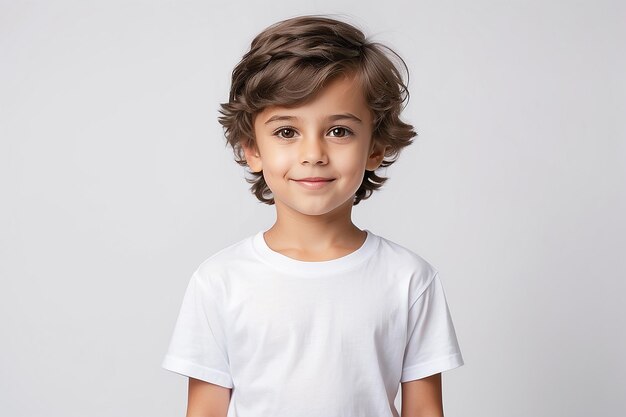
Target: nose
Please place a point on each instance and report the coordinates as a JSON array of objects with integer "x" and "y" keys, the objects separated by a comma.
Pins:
[{"x": 313, "y": 151}]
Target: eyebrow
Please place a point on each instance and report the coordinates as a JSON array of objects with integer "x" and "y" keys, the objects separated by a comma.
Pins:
[{"x": 333, "y": 118}]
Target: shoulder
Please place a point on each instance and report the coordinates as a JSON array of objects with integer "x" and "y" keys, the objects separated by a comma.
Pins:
[
  {"x": 407, "y": 263},
  {"x": 225, "y": 261},
  {"x": 403, "y": 257}
]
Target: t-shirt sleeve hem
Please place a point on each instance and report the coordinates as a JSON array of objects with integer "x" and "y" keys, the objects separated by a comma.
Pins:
[
  {"x": 433, "y": 367},
  {"x": 190, "y": 369}
]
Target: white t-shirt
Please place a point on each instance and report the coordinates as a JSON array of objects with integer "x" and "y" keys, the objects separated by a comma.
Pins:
[{"x": 313, "y": 339}]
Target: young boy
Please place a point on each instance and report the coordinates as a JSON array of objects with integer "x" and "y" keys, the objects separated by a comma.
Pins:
[{"x": 314, "y": 317}]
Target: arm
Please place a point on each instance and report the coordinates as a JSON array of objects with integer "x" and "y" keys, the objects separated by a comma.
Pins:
[
  {"x": 206, "y": 399},
  {"x": 422, "y": 397}
]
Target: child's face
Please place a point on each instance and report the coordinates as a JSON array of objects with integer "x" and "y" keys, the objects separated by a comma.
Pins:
[{"x": 330, "y": 137}]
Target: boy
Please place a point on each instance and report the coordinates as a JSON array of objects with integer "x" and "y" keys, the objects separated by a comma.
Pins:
[{"x": 314, "y": 317}]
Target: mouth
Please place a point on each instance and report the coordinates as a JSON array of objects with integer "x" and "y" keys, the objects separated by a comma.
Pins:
[
  {"x": 314, "y": 183},
  {"x": 315, "y": 179}
]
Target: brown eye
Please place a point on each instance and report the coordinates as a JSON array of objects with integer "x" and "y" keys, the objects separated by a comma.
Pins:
[
  {"x": 340, "y": 132},
  {"x": 286, "y": 133}
]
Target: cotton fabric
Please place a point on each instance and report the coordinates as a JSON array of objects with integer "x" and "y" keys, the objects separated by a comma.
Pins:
[{"x": 313, "y": 339}]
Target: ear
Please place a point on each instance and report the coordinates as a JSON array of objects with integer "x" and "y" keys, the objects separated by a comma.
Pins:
[
  {"x": 253, "y": 157},
  {"x": 376, "y": 155}
]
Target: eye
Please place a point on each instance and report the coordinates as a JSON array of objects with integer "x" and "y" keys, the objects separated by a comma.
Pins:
[
  {"x": 340, "y": 131},
  {"x": 285, "y": 133}
]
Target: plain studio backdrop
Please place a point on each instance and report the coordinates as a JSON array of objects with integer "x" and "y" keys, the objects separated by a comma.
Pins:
[{"x": 116, "y": 184}]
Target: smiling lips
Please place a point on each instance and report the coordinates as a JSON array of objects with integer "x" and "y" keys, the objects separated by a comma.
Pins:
[
  {"x": 314, "y": 183},
  {"x": 312, "y": 179}
]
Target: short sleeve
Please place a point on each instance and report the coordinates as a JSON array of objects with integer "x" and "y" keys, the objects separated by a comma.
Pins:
[
  {"x": 432, "y": 345},
  {"x": 197, "y": 348}
]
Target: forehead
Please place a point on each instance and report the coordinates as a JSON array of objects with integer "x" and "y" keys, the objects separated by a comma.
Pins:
[{"x": 343, "y": 94}]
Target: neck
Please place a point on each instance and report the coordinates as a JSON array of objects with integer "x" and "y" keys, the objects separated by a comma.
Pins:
[{"x": 295, "y": 232}]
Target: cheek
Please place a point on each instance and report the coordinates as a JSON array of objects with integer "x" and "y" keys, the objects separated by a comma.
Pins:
[
  {"x": 276, "y": 167},
  {"x": 284, "y": 160},
  {"x": 352, "y": 161}
]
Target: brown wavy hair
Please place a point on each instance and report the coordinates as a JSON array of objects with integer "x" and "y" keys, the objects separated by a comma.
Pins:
[{"x": 290, "y": 61}]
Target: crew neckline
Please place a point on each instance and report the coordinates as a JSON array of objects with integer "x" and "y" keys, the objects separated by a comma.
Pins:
[{"x": 299, "y": 267}]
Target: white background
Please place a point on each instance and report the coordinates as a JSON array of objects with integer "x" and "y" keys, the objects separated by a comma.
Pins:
[{"x": 116, "y": 183}]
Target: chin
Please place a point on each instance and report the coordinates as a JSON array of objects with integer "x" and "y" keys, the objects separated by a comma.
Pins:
[
  {"x": 310, "y": 211},
  {"x": 313, "y": 212}
]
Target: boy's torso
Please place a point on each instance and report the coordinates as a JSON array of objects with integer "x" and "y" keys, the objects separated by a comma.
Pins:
[{"x": 293, "y": 335}]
